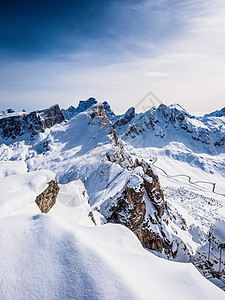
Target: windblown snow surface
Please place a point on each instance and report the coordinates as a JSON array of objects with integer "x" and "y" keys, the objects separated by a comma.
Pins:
[{"x": 64, "y": 255}]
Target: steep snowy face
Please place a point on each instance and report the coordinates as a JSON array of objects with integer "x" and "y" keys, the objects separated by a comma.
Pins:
[
  {"x": 20, "y": 126},
  {"x": 158, "y": 127}
]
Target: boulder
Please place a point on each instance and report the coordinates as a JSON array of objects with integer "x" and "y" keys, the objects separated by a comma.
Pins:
[{"x": 47, "y": 198}]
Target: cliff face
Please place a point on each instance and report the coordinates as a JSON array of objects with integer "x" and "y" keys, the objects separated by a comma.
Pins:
[
  {"x": 32, "y": 123},
  {"x": 140, "y": 204}
]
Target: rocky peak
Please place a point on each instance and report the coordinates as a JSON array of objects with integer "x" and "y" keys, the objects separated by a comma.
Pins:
[
  {"x": 7, "y": 111},
  {"x": 126, "y": 118},
  {"x": 173, "y": 123},
  {"x": 82, "y": 106},
  {"x": 110, "y": 114},
  {"x": 15, "y": 126},
  {"x": 174, "y": 114}
]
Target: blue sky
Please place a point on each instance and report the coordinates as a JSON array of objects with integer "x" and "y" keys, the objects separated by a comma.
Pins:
[{"x": 62, "y": 52}]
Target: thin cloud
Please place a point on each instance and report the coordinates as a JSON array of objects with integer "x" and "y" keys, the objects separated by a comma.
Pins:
[{"x": 157, "y": 74}]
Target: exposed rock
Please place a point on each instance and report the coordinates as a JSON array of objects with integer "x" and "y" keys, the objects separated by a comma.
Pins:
[
  {"x": 140, "y": 206},
  {"x": 110, "y": 114},
  {"x": 118, "y": 154},
  {"x": 30, "y": 123},
  {"x": 99, "y": 111},
  {"x": 217, "y": 113},
  {"x": 47, "y": 198},
  {"x": 173, "y": 123},
  {"x": 83, "y": 105},
  {"x": 91, "y": 216},
  {"x": 10, "y": 110},
  {"x": 126, "y": 118},
  {"x": 7, "y": 111}
]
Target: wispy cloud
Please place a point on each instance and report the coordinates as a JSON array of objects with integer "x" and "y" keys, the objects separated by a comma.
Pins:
[{"x": 175, "y": 49}]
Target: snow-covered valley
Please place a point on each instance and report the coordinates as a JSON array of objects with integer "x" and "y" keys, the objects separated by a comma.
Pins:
[{"x": 140, "y": 199}]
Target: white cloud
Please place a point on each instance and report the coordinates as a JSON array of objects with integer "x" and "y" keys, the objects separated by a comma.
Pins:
[
  {"x": 188, "y": 69},
  {"x": 156, "y": 74}
]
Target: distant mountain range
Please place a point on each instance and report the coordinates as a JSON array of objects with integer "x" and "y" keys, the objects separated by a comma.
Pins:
[{"x": 155, "y": 127}]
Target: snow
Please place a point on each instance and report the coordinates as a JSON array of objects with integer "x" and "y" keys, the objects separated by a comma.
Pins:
[
  {"x": 218, "y": 230},
  {"x": 49, "y": 260},
  {"x": 63, "y": 255},
  {"x": 13, "y": 114},
  {"x": 9, "y": 168}
]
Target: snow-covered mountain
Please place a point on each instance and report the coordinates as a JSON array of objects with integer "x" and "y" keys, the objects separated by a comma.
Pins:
[
  {"x": 158, "y": 127},
  {"x": 160, "y": 174},
  {"x": 217, "y": 113},
  {"x": 24, "y": 126},
  {"x": 84, "y": 105}
]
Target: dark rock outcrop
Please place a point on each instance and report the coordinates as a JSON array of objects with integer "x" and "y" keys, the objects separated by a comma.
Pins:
[
  {"x": 30, "y": 123},
  {"x": 47, "y": 198},
  {"x": 91, "y": 216},
  {"x": 126, "y": 118},
  {"x": 99, "y": 111},
  {"x": 110, "y": 114},
  {"x": 140, "y": 205},
  {"x": 83, "y": 105}
]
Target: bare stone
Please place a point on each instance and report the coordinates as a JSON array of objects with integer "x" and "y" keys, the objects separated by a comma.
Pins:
[
  {"x": 47, "y": 198},
  {"x": 91, "y": 216}
]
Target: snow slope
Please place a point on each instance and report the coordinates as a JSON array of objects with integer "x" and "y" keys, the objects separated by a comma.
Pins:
[
  {"x": 63, "y": 255},
  {"x": 91, "y": 255},
  {"x": 158, "y": 127}
]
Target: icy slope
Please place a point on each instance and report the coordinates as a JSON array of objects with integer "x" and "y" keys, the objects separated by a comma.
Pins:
[{"x": 63, "y": 255}]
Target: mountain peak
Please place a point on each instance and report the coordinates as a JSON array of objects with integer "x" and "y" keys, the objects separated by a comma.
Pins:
[{"x": 82, "y": 106}]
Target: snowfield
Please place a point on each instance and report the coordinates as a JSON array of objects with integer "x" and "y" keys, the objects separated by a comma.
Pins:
[{"x": 64, "y": 254}]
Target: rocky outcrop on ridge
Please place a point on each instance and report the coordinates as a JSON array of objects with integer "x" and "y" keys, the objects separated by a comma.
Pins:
[
  {"x": 126, "y": 118},
  {"x": 99, "y": 111},
  {"x": 47, "y": 198},
  {"x": 140, "y": 204}
]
